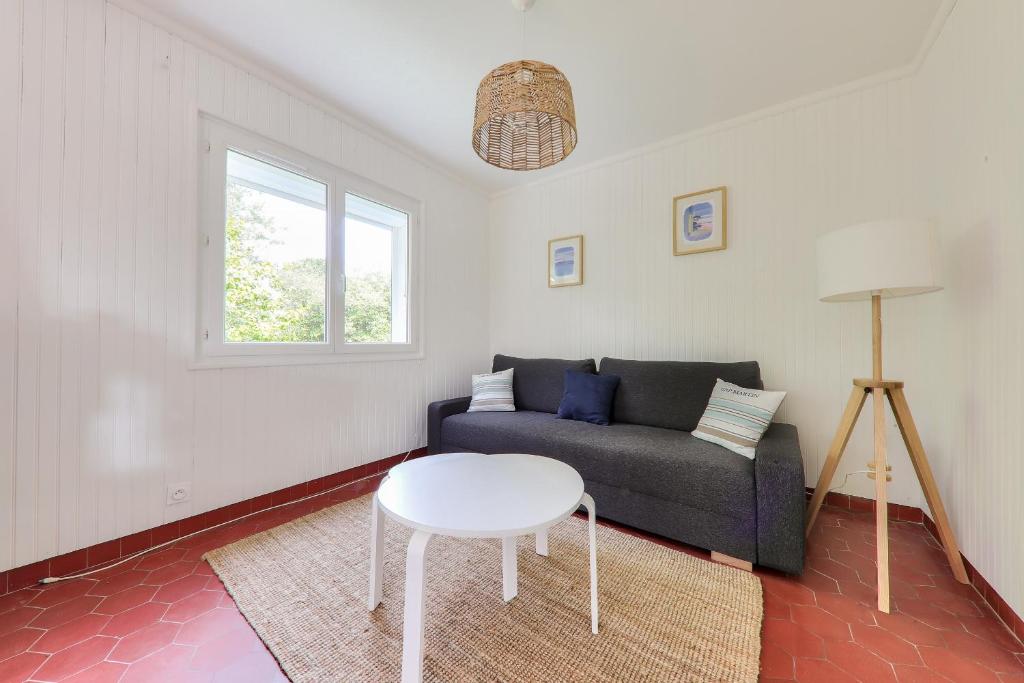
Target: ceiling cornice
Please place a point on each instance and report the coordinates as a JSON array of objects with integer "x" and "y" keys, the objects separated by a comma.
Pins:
[
  {"x": 311, "y": 96},
  {"x": 275, "y": 78},
  {"x": 909, "y": 69}
]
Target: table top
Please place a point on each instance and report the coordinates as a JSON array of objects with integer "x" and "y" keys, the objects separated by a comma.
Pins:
[{"x": 472, "y": 495}]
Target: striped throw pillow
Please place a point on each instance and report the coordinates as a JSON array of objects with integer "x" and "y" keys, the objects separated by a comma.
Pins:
[
  {"x": 492, "y": 392},
  {"x": 737, "y": 417}
]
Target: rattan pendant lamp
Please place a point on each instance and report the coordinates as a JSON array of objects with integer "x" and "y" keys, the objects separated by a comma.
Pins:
[{"x": 525, "y": 118}]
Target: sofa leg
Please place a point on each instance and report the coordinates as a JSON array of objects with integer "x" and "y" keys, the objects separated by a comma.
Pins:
[{"x": 731, "y": 561}]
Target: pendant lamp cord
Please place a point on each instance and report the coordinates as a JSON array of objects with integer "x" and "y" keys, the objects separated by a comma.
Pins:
[{"x": 522, "y": 44}]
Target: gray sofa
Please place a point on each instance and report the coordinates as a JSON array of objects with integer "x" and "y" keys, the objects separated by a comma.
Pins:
[{"x": 645, "y": 470}]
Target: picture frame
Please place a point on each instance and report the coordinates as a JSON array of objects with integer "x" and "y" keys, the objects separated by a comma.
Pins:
[
  {"x": 699, "y": 222},
  {"x": 565, "y": 261}
]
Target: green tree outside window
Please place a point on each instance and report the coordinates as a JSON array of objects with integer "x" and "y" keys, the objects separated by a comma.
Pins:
[{"x": 270, "y": 302}]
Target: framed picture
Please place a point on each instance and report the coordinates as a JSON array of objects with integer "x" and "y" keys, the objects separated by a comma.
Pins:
[
  {"x": 698, "y": 222},
  {"x": 565, "y": 261}
]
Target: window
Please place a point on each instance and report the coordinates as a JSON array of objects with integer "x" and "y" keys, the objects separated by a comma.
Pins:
[
  {"x": 376, "y": 268},
  {"x": 275, "y": 254},
  {"x": 300, "y": 261}
]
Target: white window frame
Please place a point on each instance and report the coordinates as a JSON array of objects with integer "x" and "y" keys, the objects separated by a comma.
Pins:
[{"x": 211, "y": 350}]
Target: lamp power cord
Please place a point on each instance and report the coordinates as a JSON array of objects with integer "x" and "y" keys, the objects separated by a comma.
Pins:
[{"x": 56, "y": 579}]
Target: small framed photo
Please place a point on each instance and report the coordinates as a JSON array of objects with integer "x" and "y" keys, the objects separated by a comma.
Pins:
[
  {"x": 565, "y": 261},
  {"x": 698, "y": 222}
]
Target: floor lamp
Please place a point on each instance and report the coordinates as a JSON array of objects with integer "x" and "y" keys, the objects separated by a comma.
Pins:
[{"x": 874, "y": 261}]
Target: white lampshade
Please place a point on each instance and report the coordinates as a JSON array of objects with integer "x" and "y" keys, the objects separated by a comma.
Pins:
[{"x": 891, "y": 258}]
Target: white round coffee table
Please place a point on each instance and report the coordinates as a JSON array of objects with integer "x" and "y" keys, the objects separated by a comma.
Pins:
[{"x": 470, "y": 495}]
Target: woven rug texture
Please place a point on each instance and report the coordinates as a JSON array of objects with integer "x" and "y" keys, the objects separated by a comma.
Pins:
[{"x": 665, "y": 615}]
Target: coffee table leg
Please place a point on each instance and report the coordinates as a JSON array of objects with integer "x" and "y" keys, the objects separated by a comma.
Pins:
[
  {"x": 542, "y": 542},
  {"x": 588, "y": 502},
  {"x": 412, "y": 629},
  {"x": 376, "y": 554},
  {"x": 509, "y": 569}
]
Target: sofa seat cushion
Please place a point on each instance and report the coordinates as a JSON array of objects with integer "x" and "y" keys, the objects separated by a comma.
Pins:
[{"x": 663, "y": 463}]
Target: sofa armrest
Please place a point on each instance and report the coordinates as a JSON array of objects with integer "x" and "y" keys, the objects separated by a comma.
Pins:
[
  {"x": 438, "y": 411},
  {"x": 779, "y": 481}
]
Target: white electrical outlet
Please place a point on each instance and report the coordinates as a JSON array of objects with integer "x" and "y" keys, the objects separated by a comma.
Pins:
[{"x": 179, "y": 493}]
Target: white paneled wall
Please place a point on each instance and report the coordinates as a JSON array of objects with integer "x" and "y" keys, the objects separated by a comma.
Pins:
[
  {"x": 968, "y": 144},
  {"x": 791, "y": 176},
  {"x": 945, "y": 142},
  {"x": 98, "y": 186}
]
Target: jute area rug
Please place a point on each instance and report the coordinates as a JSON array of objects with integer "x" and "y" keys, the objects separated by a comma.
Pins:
[{"x": 665, "y": 616}]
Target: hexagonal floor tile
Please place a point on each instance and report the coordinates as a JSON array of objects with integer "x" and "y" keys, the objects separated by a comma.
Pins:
[{"x": 166, "y": 616}]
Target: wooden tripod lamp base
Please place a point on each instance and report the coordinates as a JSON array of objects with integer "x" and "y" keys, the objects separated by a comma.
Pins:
[
  {"x": 880, "y": 390},
  {"x": 887, "y": 258}
]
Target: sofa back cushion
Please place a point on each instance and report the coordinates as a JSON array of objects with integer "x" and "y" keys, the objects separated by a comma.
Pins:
[
  {"x": 538, "y": 383},
  {"x": 671, "y": 394}
]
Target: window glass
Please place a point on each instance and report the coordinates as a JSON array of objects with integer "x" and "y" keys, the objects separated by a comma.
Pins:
[
  {"x": 376, "y": 273},
  {"x": 275, "y": 256}
]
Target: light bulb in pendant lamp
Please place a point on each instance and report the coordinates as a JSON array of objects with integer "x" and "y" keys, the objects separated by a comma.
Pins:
[{"x": 525, "y": 118}]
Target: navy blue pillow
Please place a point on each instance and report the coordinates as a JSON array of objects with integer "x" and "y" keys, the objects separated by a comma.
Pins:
[{"x": 588, "y": 397}]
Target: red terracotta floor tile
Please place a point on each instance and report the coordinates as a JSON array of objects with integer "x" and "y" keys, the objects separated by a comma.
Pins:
[
  {"x": 885, "y": 644},
  {"x": 118, "y": 582},
  {"x": 918, "y": 674},
  {"x": 20, "y": 667},
  {"x": 220, "y": 652},
  {"x": 171, "y": 572},
  {"x": 992, "y": 656},
  {"x": 255, "y": 667},
  {"x": 794, "y": 639},
  {"x": 126, "y": 599},
  {"x": 205, "y": 569},
  {"x": 171, "y": 615},
  {"x": 75, "y": 658},
  {"x": 928, "y": 613},
  {"x": 16, "y": 599},
  {"x": 207, "y": 627},
  {"x": 776, "y": 663},
  {"x": 136, "y": 618},
  {"x": 860, "y": 663},
  {"x": 775, "y": 607},
  {"x": 16, "y": 618},
  {"x": 74, "y": 631},
  {"x": 956, "y": 668},
  {"x": 17, "y": 642},
  {"x": 213, "y": 583},
  {"x": 949, "y": 592},
  {"x": 835, "y": 569},
  {"x": 170, "y": 665},
  {"x": 57, "y": 593},
  {"x": 818, "y": 582},
  {"x": 789, "y": 590},
  {"x": 910, "y": 629},
  {"x": 144, "y": 642},
  {"x": 53, "y": 617},
  {"x": 989, "y": 629},
  {"x": 194, "y": 605},
  {"x": 958, "y": 605},
  {"x": 859, "y": 593},
  {"x": 821, "y": 623},
  {"x": 161, "y": 558},
  {"x": 181, "y": 588},
  {"x": 104, "y": 672},
  {"x": 850, "y": 611},
  {"x": 819, "y": 671}
]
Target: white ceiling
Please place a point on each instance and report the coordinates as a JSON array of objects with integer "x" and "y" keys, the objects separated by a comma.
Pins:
[{"x": 641, "y": 70}]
